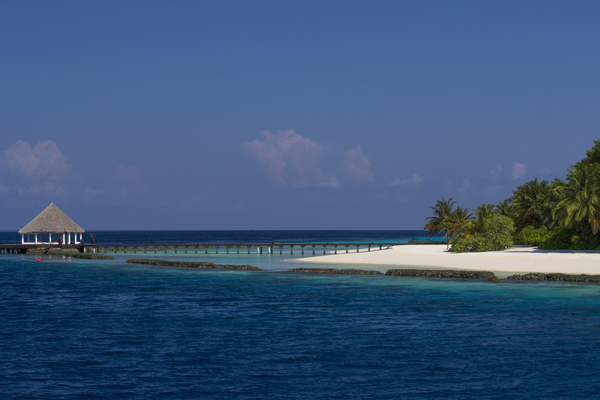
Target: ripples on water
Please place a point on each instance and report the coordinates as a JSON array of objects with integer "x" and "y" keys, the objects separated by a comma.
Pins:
[{"x": 98, "y": 329}]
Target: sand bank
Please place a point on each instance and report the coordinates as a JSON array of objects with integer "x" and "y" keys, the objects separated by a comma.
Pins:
[{"x": 517, "y": 259}]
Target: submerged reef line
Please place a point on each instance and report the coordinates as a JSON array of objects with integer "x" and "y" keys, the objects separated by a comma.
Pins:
[
  {"x": 335, "y": 271},
  {"x": 435, "y": 273},
  {"x": 86, "y": 256},
  {"x": 556, "y": 277},
  {"x": 192, "y": 264}
]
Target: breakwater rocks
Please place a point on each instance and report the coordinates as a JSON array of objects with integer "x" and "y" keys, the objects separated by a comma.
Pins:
[
  {"x": 192, "y": 264},
  {"x": 84, "y": 256},
  {"x": 335, "y": 271},
  {"x": 77, "y": 254},
  {"x": 556, "y": 277},
  {"x": 36, "y": 252},
  {"x": 435, "y": 273},
  {"x": 44, "y": 250}
]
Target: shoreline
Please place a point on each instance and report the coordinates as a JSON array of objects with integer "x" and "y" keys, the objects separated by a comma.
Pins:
[{"x": 505, "y": 262}]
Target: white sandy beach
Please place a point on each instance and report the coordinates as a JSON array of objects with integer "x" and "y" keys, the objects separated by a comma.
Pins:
[{"x": 514, "y": 260}]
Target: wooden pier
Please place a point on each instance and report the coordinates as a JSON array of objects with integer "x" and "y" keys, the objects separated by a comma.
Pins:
[{"x": 213, "y": 248}]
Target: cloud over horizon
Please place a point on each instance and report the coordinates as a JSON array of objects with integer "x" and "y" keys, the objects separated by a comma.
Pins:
[
  {"x": 40, "y": 168},
  {"x": 414, "y": 180},
  {"x": 518, "y": 171},
  {"x": 291, "y": 159}
]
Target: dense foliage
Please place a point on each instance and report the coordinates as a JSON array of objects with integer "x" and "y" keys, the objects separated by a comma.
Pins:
[
  {"x": 531, "y": 236},
  {"x": 550, "y": 215},
  {"x": 560, "y": 238},
  {"x": 495, "y": 234}
]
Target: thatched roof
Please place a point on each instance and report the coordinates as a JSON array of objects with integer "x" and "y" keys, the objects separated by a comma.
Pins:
[{"x": 51, "y": 220}]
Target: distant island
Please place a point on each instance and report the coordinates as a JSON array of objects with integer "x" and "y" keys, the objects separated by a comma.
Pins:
[{"x": 553, "y": 215}]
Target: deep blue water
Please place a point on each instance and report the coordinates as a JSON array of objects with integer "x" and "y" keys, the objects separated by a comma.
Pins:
[{"x": 105, "y": 329}]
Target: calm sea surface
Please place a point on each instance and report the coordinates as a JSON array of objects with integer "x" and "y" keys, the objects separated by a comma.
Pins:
[{"x": 95, "y": 329}]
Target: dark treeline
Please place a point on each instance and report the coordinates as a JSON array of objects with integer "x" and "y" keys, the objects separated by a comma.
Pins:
[{"x": 550, "y": 215}]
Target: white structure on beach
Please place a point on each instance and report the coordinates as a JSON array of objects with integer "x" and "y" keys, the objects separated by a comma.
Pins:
[{"x": 51, "y": 224}]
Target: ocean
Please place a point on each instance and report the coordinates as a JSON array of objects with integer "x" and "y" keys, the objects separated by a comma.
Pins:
[{"x": 104, "y": 329}]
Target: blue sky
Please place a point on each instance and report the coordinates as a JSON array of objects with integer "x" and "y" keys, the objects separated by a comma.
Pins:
[{"x": 287, "y": 115}]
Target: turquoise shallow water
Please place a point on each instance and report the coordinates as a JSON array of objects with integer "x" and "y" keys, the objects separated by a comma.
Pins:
[{"x": 106, "y": 329}]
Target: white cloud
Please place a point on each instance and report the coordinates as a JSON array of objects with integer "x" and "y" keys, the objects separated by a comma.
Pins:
[
  {"x": 333, "y": 183},
  {"x": 546, "y": 171},
  {"x": 43, "y": 171},
  {"x": 414, "y": 180},
  {"x": 290, "y": 158},
  {"x": 355, "y": 167},
  {"x": 518, "y": 171},
  {"x": 40, "y": 169},
  {"x": 44, "y": 160}
]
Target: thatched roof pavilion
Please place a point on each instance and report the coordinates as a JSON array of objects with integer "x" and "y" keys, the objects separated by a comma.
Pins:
[{"x": 54, "y": 223}]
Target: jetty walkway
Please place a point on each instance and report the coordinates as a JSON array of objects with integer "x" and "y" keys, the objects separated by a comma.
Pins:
[{"x": 206, "y": 248}]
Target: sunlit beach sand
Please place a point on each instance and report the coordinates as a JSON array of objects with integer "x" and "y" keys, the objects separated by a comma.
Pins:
[{"x": 516, "y": 259}]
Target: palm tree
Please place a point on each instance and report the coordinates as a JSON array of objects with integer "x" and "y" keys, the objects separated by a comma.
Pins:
[
  {"x": 458, "y": 221},
  {"x": 532, "y": 204},
  {"x": 482, "y": 214},
  {"x": 504, "y": 208},
  {"x": 581, "y": 196},
  {"x": 441, "y": 213}
]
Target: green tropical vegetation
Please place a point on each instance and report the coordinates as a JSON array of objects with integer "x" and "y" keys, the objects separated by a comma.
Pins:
[
  {"x": 532, "y": 236},
  {"x": 440, "y": 221},
  {"x": 550, "y": 215},
  {"x": 496, "y": 233}
]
